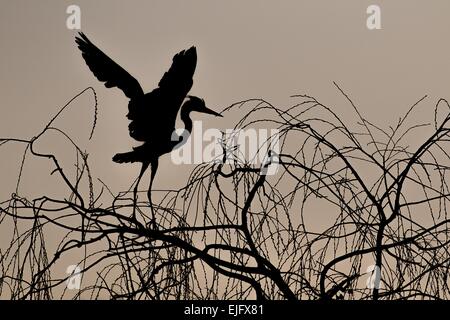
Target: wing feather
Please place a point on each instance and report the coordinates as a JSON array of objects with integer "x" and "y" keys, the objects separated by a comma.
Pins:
[
  {"x": 106, "y": 70},
  {"x": 178, "y": 79}
]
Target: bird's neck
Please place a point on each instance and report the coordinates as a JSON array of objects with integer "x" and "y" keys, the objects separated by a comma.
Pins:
[{"x": 184, "y": 115}]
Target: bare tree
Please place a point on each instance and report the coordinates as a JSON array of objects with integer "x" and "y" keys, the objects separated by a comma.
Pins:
[{"x": 351, "y": 214}]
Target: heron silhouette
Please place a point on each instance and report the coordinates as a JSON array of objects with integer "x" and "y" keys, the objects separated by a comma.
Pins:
[{"x": 152, "y": 114}]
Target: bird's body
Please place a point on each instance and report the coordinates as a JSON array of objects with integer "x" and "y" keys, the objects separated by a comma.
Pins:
[
  {"x": 149, "y": 128},
  {"x": 153, "y": 114}
]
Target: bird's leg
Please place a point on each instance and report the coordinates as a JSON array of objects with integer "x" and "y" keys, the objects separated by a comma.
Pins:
[
  {"x": 154, "y": 165},
  {"x": 143, "y": 168}
]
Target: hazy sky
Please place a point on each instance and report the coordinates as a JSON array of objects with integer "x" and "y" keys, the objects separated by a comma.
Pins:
[{"x": 246, "y": 49}]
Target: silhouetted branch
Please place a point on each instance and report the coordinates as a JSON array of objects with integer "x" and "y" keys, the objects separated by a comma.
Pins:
[{"x": 343, "y": 201}]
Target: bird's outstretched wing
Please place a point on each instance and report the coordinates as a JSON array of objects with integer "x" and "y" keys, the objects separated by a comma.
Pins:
[
  {"x": 106, "y": 70},
  {"x": 178, "y": 79},
  {"x": 155, "y": 115}
]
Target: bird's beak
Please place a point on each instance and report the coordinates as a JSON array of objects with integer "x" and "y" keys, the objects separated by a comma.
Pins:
[{"x": 209, "y": 111}]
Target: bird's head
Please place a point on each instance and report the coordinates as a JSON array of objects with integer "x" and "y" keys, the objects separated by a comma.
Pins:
[{"x": 197, "y": 104}]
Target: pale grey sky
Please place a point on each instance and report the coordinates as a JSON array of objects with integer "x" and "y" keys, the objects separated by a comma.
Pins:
[{"x": 246, "y": 49}]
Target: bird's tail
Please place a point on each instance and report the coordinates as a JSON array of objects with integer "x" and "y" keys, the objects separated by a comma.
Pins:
[{"x": 126, "y": 157}]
